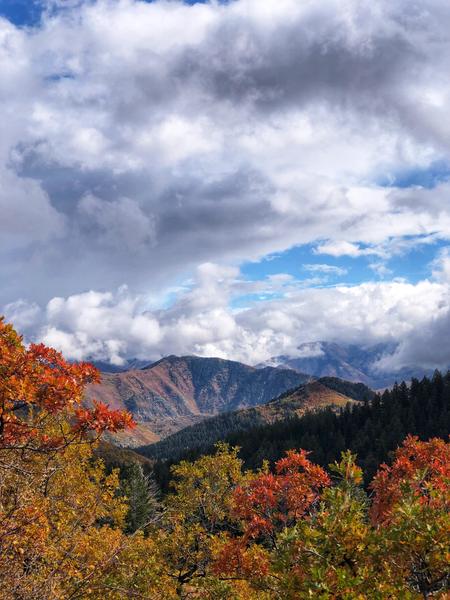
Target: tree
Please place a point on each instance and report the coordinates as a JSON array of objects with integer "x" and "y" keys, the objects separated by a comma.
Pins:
[
  {"x": 199, "y": 509},
  {"x": 141, "y": 493},
  {"x": 331, "y": 553},
  {"x": 323, "y": 545},
  {"x": 36, "y": 387},
  {"x": 267, "y": 505},
  {"x": 411, "y": 509},
  {"x": 60, "y": 516},
  {"x": 270, "y": 502}
]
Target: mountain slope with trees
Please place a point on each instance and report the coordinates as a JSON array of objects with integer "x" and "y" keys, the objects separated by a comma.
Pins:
[
  {"x": 370, "y": 429},
  {"x": 178, "y": 391},
  {"x": 311, "y": 396},
  {"x": 70, "y": 529}
]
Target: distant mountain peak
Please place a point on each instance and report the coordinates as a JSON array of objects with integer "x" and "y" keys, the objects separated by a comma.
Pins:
[
  {"x": 310, "y": 396},
  {"x": 353, "y": 362}
]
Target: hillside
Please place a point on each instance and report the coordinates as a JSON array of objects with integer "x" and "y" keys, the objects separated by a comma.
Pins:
[
  {"x": 176, "y": 392},
  {"x": 369, "y": 429},
  {"x": 116, "y": 457},
  {"x": 307, "y": 397}
]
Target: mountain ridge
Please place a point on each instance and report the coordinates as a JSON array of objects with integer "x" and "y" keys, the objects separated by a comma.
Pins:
[
  {"x": 351, "y": 362},
  {"x": 311, "y": 396},
  {"x": 175, "y": 392}
]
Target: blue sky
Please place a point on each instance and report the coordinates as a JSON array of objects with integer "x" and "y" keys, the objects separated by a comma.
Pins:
[
  {"x": 28, "y": 12},
  {"x": 20, "y": 12},
  {"x": 428, "y": 177},
  {"x": 229, "y": 179},
  {"x": 414, "y": 265}
]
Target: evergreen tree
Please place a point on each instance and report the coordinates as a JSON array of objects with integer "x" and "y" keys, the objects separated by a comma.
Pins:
[
  {"x": 370, "y": 429},
  {"x": 141, "y": 492}
]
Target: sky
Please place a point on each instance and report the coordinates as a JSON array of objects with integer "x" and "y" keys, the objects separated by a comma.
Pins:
[{"x": 226, "y": 179}]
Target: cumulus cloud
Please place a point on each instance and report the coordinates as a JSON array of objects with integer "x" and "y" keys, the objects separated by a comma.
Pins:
[
  {"x": 142, "y": 140},
  {"x": 99, "y": 325},
  {"x": 427, "y": 345},
  {"x": 117, "y": 326}
]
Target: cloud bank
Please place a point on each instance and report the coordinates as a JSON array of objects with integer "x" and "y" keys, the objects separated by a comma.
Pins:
[
  {"x": 143, "y": 140},
  {"x": 113, "y": 326}
]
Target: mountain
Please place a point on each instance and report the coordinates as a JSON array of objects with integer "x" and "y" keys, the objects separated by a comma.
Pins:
[
  {"x": 370, "y": 429},
  {"x": 128, "y": 365},
  {"x": 178, "y": 391},
  {"x": 310, "y": 396},
  {"x": 351, "y": 362}
]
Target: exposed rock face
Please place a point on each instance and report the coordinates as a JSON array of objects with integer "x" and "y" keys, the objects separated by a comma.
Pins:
[{"x": 178, "y": 391}]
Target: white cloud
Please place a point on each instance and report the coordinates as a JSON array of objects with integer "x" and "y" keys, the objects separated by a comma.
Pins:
[
  {"x": 326, "y": 269},
  {"x": 117, "y": 326},
  {"x": 24, "y": 315},
  {"x": 427, "y": 345},
  {"x": 381, "y": 269},
  {"x": 141, "y": 140},
  {"x": 99, "y": 325},
  {"x": 441, "y": 266},
  {"x": 343, "y": 248}
]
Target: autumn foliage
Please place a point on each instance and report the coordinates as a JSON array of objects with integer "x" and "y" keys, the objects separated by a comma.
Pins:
[
  {"x": 36, "y": 383},
  {"x": 273, "y": 501},
  {"x": 52, "y": 495},
  {"x": 72, "y": 530},
  {"x": 411, "y": 510},
  {"x": 420, "y": 471}
]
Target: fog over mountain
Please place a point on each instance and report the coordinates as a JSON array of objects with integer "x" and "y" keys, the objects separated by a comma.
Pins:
[{"x": 351, "y": 362}]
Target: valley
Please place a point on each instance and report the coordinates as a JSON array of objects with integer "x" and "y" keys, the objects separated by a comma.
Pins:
[
  {"x": 309, "y": 397},
  {"x": 176, "y": 392}
]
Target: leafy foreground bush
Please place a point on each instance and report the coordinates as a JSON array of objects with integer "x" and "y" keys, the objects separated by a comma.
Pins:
[{"x": 299, "y": 532}]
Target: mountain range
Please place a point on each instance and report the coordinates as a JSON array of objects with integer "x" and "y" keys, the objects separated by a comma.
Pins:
[
  {"x": 308, "y": 397},
  {"x": 351, "y": 362},
  {"x": 179, "y": 391}
]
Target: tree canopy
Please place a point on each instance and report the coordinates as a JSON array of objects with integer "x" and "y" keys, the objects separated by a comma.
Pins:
[{"x": 70, "y": 529}]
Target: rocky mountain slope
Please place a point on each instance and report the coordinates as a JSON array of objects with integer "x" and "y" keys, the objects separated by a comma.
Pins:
[
  {"x": 310, "y": 396},
  {"x": 178, "y": 391}
]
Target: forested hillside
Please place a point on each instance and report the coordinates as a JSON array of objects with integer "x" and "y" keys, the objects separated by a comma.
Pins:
[
  {"x": 176, "y": 392},
  {"x": 370, "y": 429},
  {"x": 312, "y": 396}
]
